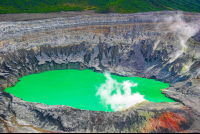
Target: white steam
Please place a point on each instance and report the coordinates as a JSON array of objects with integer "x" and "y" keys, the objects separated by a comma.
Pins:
[
  {"x": 118, "y": 101},
  {"x": 182, "y": 30}
]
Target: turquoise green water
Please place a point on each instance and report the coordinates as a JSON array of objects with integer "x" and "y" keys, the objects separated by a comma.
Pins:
[{"x": 78, "y": 88}]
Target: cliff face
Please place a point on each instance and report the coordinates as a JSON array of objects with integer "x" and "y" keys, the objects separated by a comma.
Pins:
[
  {"x": 108, "y": 28},
  {"x": 158, "y": 45}
]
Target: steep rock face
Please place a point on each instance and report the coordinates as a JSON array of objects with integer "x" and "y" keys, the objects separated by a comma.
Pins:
[
  {"x": 108, "y": 28},
  {"x": 146, "y": 45}
]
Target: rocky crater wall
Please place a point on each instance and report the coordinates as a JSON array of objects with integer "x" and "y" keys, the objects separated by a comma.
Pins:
[{"x": 157, "y": 45}]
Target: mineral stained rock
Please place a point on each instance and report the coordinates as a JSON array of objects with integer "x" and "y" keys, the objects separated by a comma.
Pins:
[{"x": 155, "y": 45}]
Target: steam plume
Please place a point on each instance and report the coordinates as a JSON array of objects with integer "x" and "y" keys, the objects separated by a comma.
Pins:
[
  {"x": 183, "y": 31},
  {"x": 118, "y": 101}
]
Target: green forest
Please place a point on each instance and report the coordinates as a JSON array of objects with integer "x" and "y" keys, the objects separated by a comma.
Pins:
[{"x": 101, "y": 6}]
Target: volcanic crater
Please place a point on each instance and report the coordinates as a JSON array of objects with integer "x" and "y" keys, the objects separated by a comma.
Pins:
[{"x": 155, "y": 45}]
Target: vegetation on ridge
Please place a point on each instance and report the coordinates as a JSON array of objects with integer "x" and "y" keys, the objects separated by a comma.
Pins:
[{"x": 102, "y": 6}]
